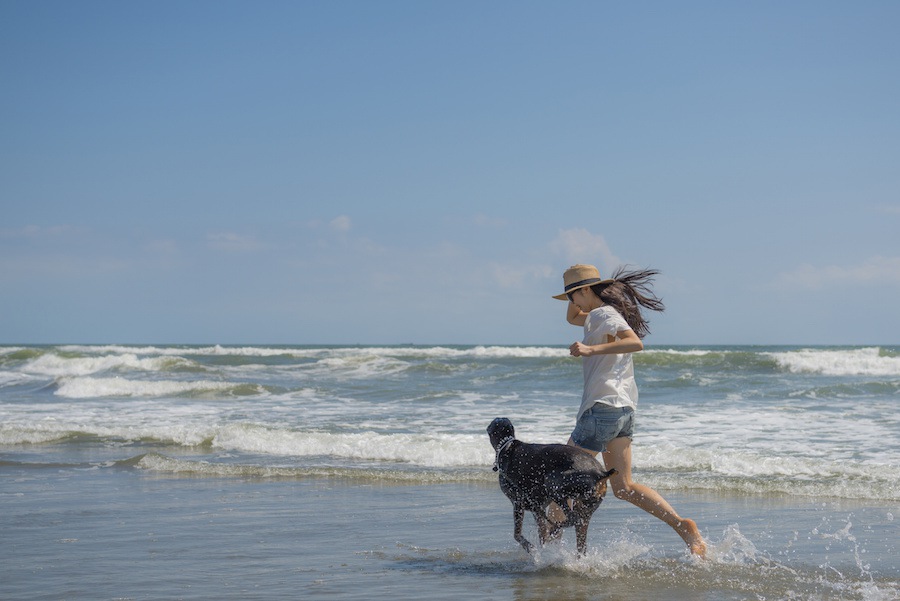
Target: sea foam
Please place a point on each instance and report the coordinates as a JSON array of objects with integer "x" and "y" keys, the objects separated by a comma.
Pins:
[
  {"x": 57, "y": 366},
  {"x": 843, "y": 362},
  {"x": 86, "y": 388}
]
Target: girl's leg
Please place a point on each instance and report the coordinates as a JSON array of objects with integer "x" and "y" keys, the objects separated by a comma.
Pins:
[{"x": 618, "y": 456}]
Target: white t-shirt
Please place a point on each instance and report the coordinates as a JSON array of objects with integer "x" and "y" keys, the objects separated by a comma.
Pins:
[{"x": 608, "y": 379}]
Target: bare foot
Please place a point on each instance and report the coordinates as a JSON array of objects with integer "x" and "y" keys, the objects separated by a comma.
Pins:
[{"x": 689, "y": 532}]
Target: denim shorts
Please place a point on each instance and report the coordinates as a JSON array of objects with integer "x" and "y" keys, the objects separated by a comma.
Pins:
[{"x": 602, "y": 423}]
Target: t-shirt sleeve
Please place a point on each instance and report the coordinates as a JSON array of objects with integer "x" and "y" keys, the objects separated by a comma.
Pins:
[
  {"x": 617, "y": 323},
  {"x": 603, "y": 323},
  {"x": 600, "y": 324}
]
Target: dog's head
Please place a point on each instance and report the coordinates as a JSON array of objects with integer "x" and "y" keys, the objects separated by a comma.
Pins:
[{"x": 499, "y": 430}]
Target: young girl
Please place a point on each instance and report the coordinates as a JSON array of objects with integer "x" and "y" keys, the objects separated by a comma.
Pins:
[{"x": 610, "y": 311}]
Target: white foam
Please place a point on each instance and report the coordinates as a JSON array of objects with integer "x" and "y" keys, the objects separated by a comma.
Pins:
[
  {"x": 10, "y": 435},
  {"x": 846, "y": 362},
  {"x": 86, "y": 388},
  {"x": 526, "y": 352},
  {"x": 358, "y": 366},
  {"x": 684, "y": 353},
  {"x": 93, "y": 422},
  {"x": 353, "y": 406},
  {"x": 428, "y": 450},
  {"x": 56, "y": 366},
  {"x": 390, "y": 351},
  {"x": 734, "y": 549},
  {"x": 664, "y": 466},
  {"x": 619, "y": 554},
  {"x": 11, "y": 378}
]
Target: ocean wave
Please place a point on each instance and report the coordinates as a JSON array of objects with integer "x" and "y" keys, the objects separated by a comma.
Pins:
[
  {"x": 359, "y": 366},
  {"x": 703, "y": 359},
  {"x": 424, "y": 450},
  {"x": 6, "y": 351},
  {"x": 11, "y": 378},
  {"x": 214, "y": 350},
  {"x": 444, "y": 352},
  {"x": 50, "y": 431},
  {"x": 429, "y": 450},
  {"x": 12, "y": 435},
  {"x": 839, "y": 362},
  {"x": 870, "y": 389},
  {"x": 251, "y": 450},
  {"x": 364, "y": 361},
  {"x": 870, "y": 361},
  {"x": 52, "y": 364},
  {"x": 753, "y": 473},
  {"x": 499, "y": 351},
  {"x": 87, "y": 388},
  {"x": 162, "y": 464},
  {"x": 868, "y": 483}
]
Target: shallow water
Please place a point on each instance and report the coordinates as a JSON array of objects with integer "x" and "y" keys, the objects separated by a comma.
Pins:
[
  {"x": 345, "y": 472},
  {"x": 114, "y": 533}
]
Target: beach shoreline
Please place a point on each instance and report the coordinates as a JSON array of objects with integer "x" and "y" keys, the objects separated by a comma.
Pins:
[{"x": 119, "y": 533}]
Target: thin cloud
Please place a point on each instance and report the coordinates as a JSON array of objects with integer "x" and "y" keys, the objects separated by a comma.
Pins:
[
  {"x": 162, "y": 247},
  {"x": 36, "y": 232},
  {"x": 507, "y": 276},
  {"x": 871, "y": 272},
  {"x": 232, "y": 242},
  {"x": 578, "y": 245},
  {"x": 482, "y": 220},
  {"x": 341, "y": 224},
  {"x": 889, "y": 209},
  {"x": 68, "y": 267}
]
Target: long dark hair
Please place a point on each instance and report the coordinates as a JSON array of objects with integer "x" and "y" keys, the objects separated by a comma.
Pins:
[{"x": 628, "y": 293}]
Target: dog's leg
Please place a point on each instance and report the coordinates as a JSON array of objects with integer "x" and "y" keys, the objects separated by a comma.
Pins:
[
  {"x": 518, "y": 517},
  {"x": 548, "y": 529},
  {"x": 578, "y": 515},
  {"x": 582, "y": 513},
  {"x": 581, "y": 529},
  {"x": 544, "y": 527},
  {"x": 554, "y": 529}
]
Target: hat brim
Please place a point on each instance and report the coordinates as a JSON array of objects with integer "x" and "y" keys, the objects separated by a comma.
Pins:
[{"x": 565, "y": 295}]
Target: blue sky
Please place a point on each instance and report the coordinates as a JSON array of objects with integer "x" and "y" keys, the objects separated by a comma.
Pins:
[{"x": 423, "y": 172}]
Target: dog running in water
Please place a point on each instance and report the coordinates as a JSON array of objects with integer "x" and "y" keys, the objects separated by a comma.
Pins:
[{"x": 534, "y": 475}]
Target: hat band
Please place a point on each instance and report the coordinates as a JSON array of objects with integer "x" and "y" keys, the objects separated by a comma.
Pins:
[{"x": 583, "y": 283}]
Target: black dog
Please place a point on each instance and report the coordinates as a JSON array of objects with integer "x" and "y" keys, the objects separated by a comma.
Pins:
[{"x": 534, "y": 475}]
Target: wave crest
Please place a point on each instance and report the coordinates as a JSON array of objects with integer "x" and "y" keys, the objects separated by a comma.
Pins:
[
  {"x": 88, "y": 388},
  {"x": 839, "y": 362}
]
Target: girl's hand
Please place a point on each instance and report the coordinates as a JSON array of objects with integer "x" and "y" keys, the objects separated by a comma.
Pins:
[
  {"x": 579, "y": 349},
  {"x": 625, "y": 341}
]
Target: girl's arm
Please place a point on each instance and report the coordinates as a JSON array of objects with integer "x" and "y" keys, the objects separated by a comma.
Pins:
[
  {"x": 625, "y": 341},
  {"x": 575, "y": 316}
]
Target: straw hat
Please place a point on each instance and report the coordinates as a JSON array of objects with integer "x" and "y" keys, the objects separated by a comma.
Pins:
[{"x": 580, "y": 276}]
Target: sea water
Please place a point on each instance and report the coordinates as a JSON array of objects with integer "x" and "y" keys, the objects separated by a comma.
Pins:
[{"x": 201, "y": 472}]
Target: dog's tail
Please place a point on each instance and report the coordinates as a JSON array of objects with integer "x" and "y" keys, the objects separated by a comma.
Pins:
[
  {"x": 602, "y": 477},
  {"x": 584, "y": 484}
]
